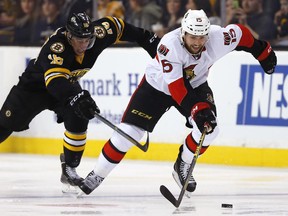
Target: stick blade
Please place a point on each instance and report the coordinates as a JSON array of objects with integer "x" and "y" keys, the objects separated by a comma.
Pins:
[{"x": 169, "y": 196}]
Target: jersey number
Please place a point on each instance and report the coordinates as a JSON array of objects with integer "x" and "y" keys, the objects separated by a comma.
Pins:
[
  {"x": 229, "y": 37},
  {"x": 55, "y": 59},
  {"x": 167, "y": 67}
]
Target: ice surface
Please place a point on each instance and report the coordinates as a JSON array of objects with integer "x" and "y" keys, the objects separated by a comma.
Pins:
[{"x": 30, "y": 186}]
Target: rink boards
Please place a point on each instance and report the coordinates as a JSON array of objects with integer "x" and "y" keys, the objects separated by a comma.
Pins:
[{"x": 252, "y": 109}]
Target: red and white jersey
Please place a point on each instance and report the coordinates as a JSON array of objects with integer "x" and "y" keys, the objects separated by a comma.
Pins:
[{"x": 173, "y": 63}]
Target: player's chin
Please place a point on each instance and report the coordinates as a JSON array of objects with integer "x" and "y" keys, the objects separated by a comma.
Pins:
[
  {"x": 80, "y": 52},
  {"x": 195, "y": 50}
]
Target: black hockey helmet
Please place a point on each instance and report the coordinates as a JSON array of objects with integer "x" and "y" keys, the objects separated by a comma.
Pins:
[{"x": 79, "y": 25}]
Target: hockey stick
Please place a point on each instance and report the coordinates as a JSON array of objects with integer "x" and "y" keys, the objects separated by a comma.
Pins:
[
  {"x": 165, "y": 191},
  {"x": 121, "y": 132}
]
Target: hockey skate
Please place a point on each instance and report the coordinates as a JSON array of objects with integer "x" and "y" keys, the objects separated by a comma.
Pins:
[
  {"x": 69, "y": 177},
  {"x": 90, "y": 183},
  {"x": 180, "y": 173}
]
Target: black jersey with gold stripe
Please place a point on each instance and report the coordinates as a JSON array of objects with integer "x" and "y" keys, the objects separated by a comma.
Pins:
[{"x": 57, "y": 69}]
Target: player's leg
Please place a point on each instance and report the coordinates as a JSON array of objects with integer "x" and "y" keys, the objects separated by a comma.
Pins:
[
  {"x": 112, "y": 153},
  {"x": 19, "y": 108},
  {"x": 145, "y": 108},
  {"x": 187, "y": 150},
  {"x": 73, "y": 147},
  {"x": 185, "y": 156},
  {"x": 4, "y": 133}
]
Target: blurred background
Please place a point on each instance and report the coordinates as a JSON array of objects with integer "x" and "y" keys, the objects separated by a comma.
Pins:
[{"x": 30, "y": 22}]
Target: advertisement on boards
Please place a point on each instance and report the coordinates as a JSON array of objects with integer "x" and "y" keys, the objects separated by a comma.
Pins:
[{"x": 251, "y": 105}]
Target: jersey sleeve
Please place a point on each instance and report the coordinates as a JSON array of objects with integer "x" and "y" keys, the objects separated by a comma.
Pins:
[
  {"x": 223, "y": 40},
  {"x": 146, "y": 39},
  {"x": 108, "y": 30},
  {"x": 237, "y": 37},
  {"x": 119, "y": 30},
  {"x": 258, "y": 48}
]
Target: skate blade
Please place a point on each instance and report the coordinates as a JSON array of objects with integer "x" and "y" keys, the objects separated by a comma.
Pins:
[
  {"x": 188, "y": 194},
  {"x": 80, "y": 194},
  {"x": 69, "y": 189},
  {"x": 177, "y": 180}
]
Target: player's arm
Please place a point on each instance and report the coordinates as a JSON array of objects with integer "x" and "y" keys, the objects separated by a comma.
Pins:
[
  {"x": 58, "y": 84},
  {"x": 182, "y": 92},
  {"x": 261, "y": 50},
  {"x": 70, "y": 94},
  {"x": 201, "y": 112},
  {"x": 146, "y": 39},
  {"x": 127, "y": 32}
]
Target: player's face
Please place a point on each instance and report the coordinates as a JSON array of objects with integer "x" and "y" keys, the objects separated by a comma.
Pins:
[
  {"x": 80, "y": 45},
  {"x": 194, "y": 44}
]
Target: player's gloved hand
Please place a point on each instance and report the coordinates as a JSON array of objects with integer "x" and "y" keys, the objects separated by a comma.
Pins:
[
  {"x": 83, "y": 105},
  {"x": 269, "y": 63},
  {"x": 204, "y": 116}
]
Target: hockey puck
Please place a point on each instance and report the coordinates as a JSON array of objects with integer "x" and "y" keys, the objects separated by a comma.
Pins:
[{"x": 225, "y": 205}]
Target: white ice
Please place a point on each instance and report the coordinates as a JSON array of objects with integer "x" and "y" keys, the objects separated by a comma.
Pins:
[{"x": 29, "y": 185}]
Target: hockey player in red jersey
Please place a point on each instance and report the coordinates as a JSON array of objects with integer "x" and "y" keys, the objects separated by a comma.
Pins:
[
  {"x": 177, "y": 76},
  {"x": 50, "y": 81}
]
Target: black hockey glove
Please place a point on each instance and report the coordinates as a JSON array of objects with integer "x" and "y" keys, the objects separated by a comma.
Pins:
[
  {"x": 269, "y": 63},
  {"x": 83, "y": 105},
  {"x": 204, "y": 117}
]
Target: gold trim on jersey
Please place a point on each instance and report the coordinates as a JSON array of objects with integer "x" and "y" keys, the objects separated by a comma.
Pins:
[
  {"x": 56, "y": 76},
  {"x": 53, "y": 73},
  {"x": 119, "y": 24},
  {"x": 79, "y": 58}
]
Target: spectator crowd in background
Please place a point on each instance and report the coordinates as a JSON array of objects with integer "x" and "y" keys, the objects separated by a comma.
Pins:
[{"x": 30, "y": 22}]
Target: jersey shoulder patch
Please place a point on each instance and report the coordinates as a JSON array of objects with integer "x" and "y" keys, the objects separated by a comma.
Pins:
[
  {"x": 57, "y": 47},
  {"x": 162, "y": 49},
  {"x": 100, "y": 31}
]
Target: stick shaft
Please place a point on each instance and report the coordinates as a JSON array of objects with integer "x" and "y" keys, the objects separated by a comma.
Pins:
[
  {"x": 125, "y": 135},
  {"x": 193, "y": 163},
  {"x": 165, "y": 191}
]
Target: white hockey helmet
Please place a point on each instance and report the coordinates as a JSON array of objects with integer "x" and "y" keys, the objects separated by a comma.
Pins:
[{"x": 195, "y": 22}]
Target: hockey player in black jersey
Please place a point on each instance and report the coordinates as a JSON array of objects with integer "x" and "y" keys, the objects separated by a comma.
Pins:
[{"x": 50, "y": 81}]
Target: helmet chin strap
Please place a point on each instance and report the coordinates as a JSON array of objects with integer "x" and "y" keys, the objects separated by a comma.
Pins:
[
  {"x": 69, "y": 37},
  {"x": 91, "y": 43}
]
